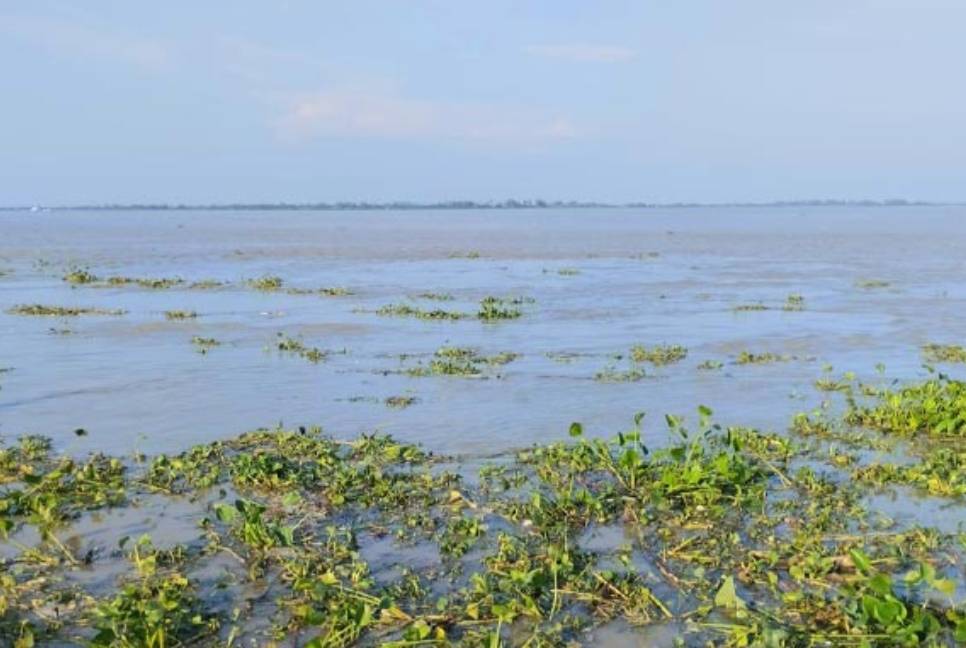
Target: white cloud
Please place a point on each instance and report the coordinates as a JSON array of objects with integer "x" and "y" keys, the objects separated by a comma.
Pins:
[
  {"x": 387, "y": 115},
  {"x": 583, "y": 53},
  {"x": 71, "y": 39}
]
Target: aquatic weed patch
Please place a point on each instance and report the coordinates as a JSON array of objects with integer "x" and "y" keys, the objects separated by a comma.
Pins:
[
  {"x": 611, "y": 374},
  {"x": 944, "y": 353},
  {"x": 84, "y": 277},
  {"x": 206, "y": 284},
  {"x": 435, "y": 296},
  {"x": 286, "y": 344},
  {"x": 500, "y": 308},
  {"x": 161, "y": 283},
  {"x": 327, "y": 291},
  {"x": 80, "y": 276},
  {"x": 400, "y": 402},
  {"x": 726, "y": 535},
  {"x": 935, "y": 408},
  {"x": 750, "y": 308},
  {"x": 794, "y": 303},
  {"x": 767, "y": 357},
  {"x": 44, "y": 310},
  {"x": 406, "y": 310},
  {"x": 266, "y": 283},
  {"x": 491, "y": 309},
  {"x": 710, "y": 365},
  {"x": 463, "y": 362},
  {"x": 204, "y": 344},
  {"x": 659, "y": 355},
  {"x": 180, "y": 315},
  {"x": 872, "y": 284}
]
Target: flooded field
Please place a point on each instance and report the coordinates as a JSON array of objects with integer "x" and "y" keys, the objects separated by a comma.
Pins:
[{"x": 802, "y": 442}]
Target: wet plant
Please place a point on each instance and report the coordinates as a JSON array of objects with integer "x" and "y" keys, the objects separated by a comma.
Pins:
[
  {"x": 935, "y": 408},
  {"x": 710, "y": 365},
  {"x": 159, "y": 608},
  {"x": 767, "y": 357},
  {"x": 435, "y": 296},
  {"x": 406, "y": 310},
  {"x": 153, "y": 283},
  {"x": 731, "y": 535},
  {"x": 744, "y": 308},
  {"x": 872, "y": 284},
  {"x": 794, "y": 303},
  {"x": 611, "y": 374},
  {"x": 43, "y": 310},
  {"x": 497, "y": 308},
  {"x": 176, "y": 315},
  {"x": 659, "y": 355},
  {"x": 204, "y": 344},
  {"x": 286, "y": 344},
  {"x": 266, "y": 283},
  {"x": 461, "y": 362},
  {"x": 400, "y": 402},
  {"x": 329, "y": 291},
  {"x": 80, "y": 276},
  {"x": 944, "y": 353},
  {"x": 206, "y": 284}
]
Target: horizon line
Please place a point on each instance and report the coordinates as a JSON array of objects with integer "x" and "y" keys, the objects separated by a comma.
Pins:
[{"x": 474, "y": 204}]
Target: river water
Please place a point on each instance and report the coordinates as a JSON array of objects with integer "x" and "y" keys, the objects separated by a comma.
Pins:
[{"x": 877, "y": 283}]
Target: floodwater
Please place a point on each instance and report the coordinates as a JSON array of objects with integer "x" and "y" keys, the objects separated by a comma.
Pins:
[{"x": 631, "y": 276}]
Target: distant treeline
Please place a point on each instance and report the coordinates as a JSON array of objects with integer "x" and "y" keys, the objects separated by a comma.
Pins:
[{"x": 472, "y": 204}]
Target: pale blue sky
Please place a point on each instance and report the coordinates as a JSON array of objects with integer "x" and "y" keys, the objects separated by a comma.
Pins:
[{"x": 672, "y": 100}]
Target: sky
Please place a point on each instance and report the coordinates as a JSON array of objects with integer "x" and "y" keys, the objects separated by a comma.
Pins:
[{"x": 657, "y": 101}]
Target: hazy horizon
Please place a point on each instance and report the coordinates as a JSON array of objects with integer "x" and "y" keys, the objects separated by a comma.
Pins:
[{"x": 429, "y": 102}]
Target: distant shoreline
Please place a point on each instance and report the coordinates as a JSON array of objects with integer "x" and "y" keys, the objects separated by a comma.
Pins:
[{"x": 471, "y": 205}]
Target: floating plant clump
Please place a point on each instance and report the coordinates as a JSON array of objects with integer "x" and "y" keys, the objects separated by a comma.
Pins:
[
  {"x": 43, "y": 310},
  {"x": 733, "y": 535}
]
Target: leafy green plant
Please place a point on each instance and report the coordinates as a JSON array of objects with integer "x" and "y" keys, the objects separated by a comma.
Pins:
[{"x": 659, "y": 355}]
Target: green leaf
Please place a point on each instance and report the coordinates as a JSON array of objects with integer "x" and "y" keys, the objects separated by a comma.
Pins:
[
  {"x": 960, "y": 633},
  {"x": 576, "y": 429},
  {"x": 727, "y": 596},
  {"x": 862, "y": 562},
  {"x": 226, "y": 514},
  {"x": 945, "y": 585}
]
